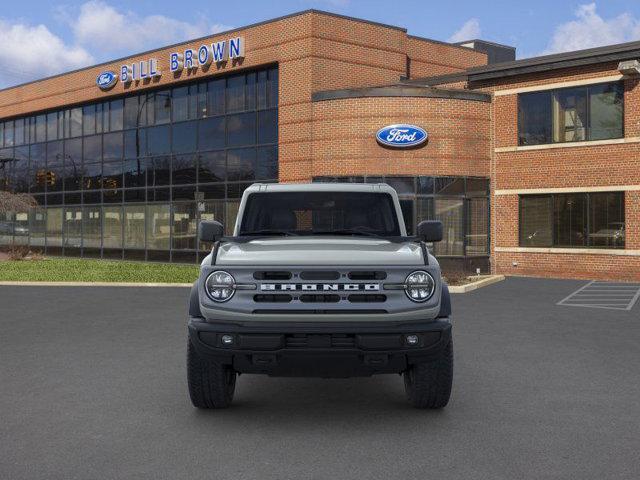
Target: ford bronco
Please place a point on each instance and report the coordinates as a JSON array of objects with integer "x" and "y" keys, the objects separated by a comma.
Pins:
[{"x": 319, "y": 280}]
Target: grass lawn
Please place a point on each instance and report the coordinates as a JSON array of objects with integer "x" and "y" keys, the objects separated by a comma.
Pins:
[{"x": 82, "y": 270}]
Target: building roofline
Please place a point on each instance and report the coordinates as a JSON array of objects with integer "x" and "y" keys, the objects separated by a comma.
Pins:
[
  {"x": 556, "y": 61},
  {"x": 225, "y": 32},
  {"x": 496, "y": 44},
  {"x": 436, "y": 79},
  {"x": 400, "y": 90},
  {"x": 440, "y": 42}
]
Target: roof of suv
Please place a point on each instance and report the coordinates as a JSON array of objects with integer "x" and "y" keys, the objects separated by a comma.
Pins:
[{"x": 320, "y": 187}]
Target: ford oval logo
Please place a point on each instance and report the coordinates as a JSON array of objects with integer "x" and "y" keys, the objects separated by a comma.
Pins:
[
  {"x": 401, "y": 136},
  {"x": 106, "y": 80}
]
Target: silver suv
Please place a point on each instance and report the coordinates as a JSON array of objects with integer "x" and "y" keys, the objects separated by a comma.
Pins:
[{"x": 320, "y": 280}]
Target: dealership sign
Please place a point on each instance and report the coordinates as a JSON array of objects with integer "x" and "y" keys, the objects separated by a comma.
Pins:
[
  {"x": 401, "y": 136},
  {"x": 189, "y": 59},
  {"x": 106, "y": 80}
]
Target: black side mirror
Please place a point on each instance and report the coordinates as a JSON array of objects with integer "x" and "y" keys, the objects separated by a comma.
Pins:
[
  {"x": 430, "y": 230},
  {"x": 210, "y": 231}
]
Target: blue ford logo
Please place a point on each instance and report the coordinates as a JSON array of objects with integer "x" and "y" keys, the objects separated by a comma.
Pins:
[
  {"x": 106, "y": 80},
  {"x": 401, "y": 136}
]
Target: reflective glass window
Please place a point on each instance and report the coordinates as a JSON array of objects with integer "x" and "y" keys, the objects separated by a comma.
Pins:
[{"x": 241, "y": 129}]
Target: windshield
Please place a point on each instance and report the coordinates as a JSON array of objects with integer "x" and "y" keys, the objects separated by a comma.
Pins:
[{"x": 320, "y": 213}]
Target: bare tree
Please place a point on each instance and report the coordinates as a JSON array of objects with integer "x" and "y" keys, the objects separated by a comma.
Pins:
[{"x": 16, "y": 202}]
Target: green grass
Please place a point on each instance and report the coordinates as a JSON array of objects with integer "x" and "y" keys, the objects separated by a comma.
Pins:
[{"x": 82, "y": 270}]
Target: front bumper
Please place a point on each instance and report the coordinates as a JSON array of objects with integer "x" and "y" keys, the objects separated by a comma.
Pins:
[{"x": 287, "y": 348}]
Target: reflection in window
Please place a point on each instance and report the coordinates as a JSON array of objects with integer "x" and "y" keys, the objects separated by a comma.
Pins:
[
  {"x": 211, "y": 133},
  {"x": 241, "y": 164},
  {"x": 92, "y": 227},
  {"x": 112, "y": 234},
  {"x": 573, "y": 220},
  {"x": 477, "y": 232},
  {"x": 235, "y": 93},
  {"x": 241, "y": 129},
  {"x": 37, "y": 226},
  {"x": 536, "y": 216},
  {"x": 450, "y": 213},
  {"x": 593, "y": 112},
  {"x": 606, "y": 220},
  {"x": 184, "y": 226},
  {"x": 54, "y": 227},
  {"x": 184, "y": 137},
  {"x": 183, "y": 169},
  {"x": 158, "y": 140},
  {"x": 134, "y": 226},
  {"x": 158, "y": 227},
  {"x": 74, "y": 156}
]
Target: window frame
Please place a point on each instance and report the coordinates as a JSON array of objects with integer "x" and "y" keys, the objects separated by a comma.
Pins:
[
  {"x": 552, "y": 93},
  {"x": 588, "y": 196}
]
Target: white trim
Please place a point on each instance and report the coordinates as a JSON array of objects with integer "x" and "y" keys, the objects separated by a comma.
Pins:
[
  {"x": 570, "y": 251},
  {"x": 537, "y": 191},
  {"x": 551, "y": 86},
  {"x": 588, "y": 143}
]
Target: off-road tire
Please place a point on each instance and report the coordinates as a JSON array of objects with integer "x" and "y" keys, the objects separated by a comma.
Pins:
[
  {"x": 211, "y": 384},
  {"x": 428, "y": 384}
]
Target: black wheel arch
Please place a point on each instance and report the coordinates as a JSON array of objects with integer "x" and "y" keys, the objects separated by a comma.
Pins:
[
  {"x": 445, "y": 302},
  {"x": 194, "y": 301}
]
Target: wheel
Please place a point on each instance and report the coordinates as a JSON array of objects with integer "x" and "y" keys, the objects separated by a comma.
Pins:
[
  {"x": 428, "y": 384},
  {"x": 211, "y": 384}
]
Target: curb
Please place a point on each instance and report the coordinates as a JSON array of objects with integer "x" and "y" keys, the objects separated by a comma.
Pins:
[
  {"x": 93, "y": 284},
  {"x": 476, "y": 285}
]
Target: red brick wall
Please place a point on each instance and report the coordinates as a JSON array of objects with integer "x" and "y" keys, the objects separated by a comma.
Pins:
[
  {"x": 344, "y": 137},
  {"x": 429, "y": 58},
  {"x": 565, "y": 167}
]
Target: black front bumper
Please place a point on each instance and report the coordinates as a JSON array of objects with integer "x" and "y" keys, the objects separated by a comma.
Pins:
[{"x": 320, "y": 349}]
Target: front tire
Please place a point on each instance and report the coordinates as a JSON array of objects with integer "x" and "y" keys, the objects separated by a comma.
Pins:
[
  {"x": 211, "y": 384},
  {"x": 428, "y": 384}
]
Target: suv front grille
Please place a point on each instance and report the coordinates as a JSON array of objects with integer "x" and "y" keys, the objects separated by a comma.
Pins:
[{"x": 320, "y": 341}]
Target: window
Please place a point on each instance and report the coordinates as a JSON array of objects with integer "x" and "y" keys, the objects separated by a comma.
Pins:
[
  {"x": 118, "y": 178},
  {"x": 593, "y": 112},
  {"x": 330, "y": 213},
  {"x": 578, "y": 220}
]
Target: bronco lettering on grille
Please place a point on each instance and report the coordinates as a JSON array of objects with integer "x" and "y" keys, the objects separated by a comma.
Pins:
[{"x": 320, "y": 287}]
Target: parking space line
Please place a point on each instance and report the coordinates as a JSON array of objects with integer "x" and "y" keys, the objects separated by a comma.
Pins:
[{"x": 595, "y": 294}]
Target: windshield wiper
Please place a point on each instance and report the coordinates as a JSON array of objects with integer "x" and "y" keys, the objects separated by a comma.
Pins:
[
  {"x": 348, "y": 231},
  {"x": 284, "y": 233}
]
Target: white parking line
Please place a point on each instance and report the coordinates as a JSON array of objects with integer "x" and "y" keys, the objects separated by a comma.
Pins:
[{"x": 595, "y": 294}]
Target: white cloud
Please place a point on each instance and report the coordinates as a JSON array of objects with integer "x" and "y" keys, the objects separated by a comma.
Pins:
[
  {"x": 469, "y": 31},
  {"x": 591, "y": 30},
  {"x": 28, "y": 52},
  {"x": 97, "y": 32},
  {"x": 104, "y": 29}
]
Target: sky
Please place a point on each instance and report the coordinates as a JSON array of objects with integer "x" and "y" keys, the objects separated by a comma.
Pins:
[{"x": 39, "y": 38}]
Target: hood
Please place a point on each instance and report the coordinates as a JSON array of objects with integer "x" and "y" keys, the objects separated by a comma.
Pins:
[{"x": 320, "y": 251}]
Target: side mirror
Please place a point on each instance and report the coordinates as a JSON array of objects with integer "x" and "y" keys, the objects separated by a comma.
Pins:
[
  {"x": 210, "y": 231},
  {"x": 430, "y": 230}
]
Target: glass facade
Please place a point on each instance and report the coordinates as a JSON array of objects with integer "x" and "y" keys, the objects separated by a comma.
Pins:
[
  {"x": 461, "y": 203},
  {"x": 132, "y": 176}
]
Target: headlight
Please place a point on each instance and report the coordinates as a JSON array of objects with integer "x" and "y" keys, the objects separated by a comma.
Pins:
[
  {"x": 419, "y": 286},
  {"x": 220, "y": 286}
]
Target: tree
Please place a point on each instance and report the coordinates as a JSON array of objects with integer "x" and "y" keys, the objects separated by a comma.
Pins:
[{"x": 16, "y": 202}]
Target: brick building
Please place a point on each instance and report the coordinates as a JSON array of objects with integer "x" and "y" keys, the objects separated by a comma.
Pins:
[{"x": 529, "y": 164}]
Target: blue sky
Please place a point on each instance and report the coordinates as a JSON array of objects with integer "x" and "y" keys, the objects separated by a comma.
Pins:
[{"x": 43, "y": 37}]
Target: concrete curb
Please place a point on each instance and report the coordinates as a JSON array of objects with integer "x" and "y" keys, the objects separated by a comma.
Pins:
[
  {"x": 93, "y": 284},
  {"x": 476, "y": 285}
]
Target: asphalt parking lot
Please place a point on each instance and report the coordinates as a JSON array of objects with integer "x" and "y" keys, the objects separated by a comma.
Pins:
[{"x": 93, "y": 385}]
